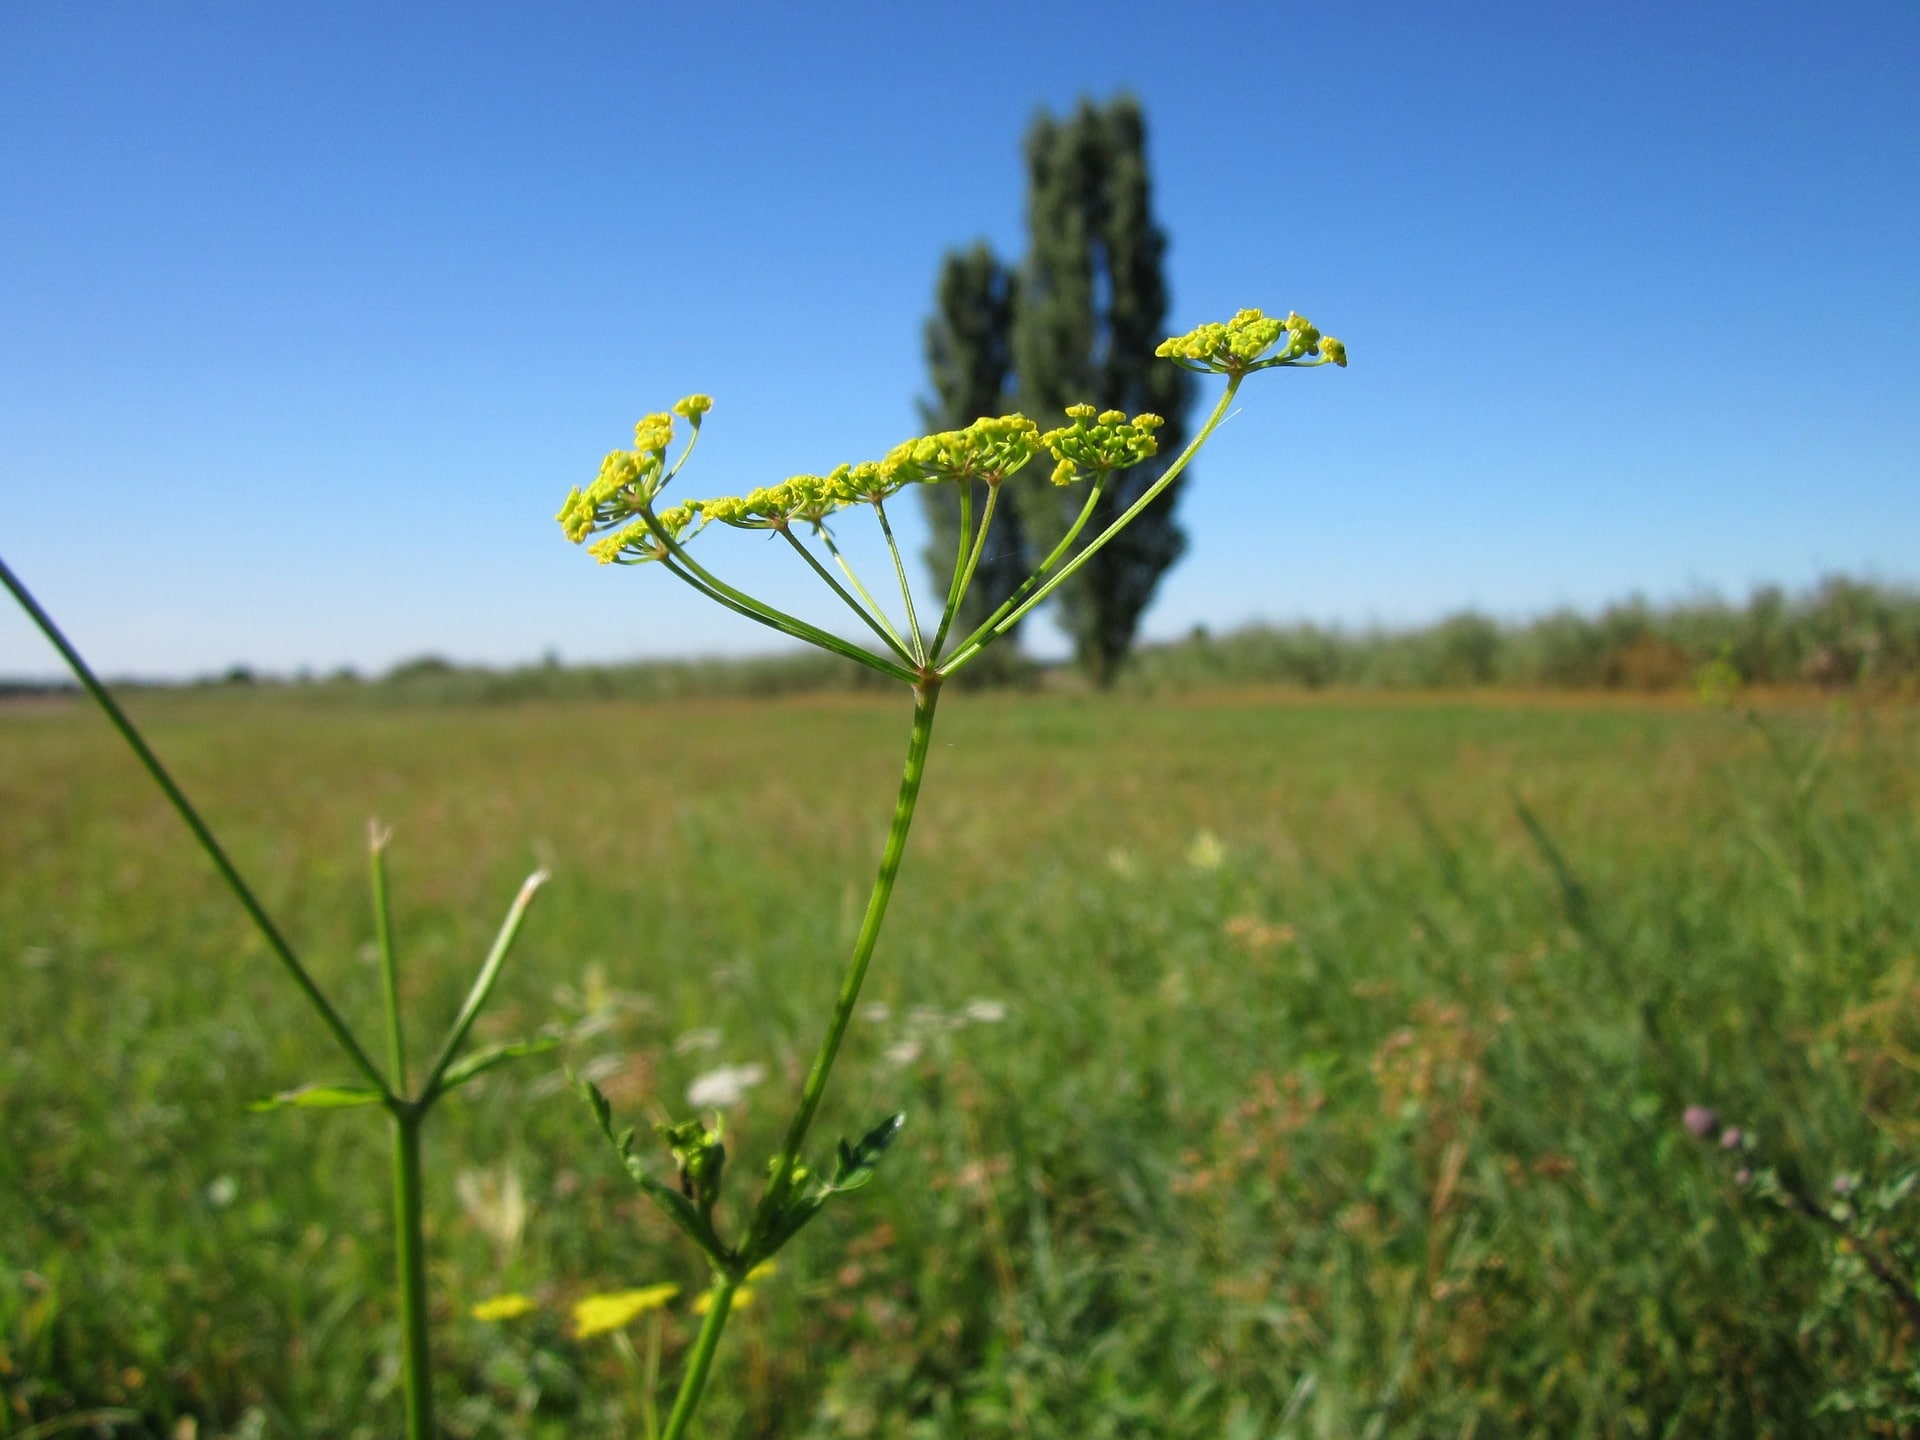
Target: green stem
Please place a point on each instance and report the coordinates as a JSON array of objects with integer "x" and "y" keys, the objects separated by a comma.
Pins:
[
  {"x": 982, "y": 636},
  {"x": 184, "y": 808},
  {"x": 980, "y": 538},
  {"x": 389, "y": 967},
  {"x": 1126, "y": 517},
  {"x": 701, "y": 1360},
  {"x": 482, "y": 985},
  {"x": 410, "y": 1263},
  {"x": 925, "y": 698},
  {"x": 695, "y": 574},
  {"x": 876, "y": 618},
  {"x": 906, "y": 590},
  {"x": 959, "y": 563}
]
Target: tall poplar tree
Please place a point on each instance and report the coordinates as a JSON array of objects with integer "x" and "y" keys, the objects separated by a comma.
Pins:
[
  {"x": 1093, "y": 304},
  {"x": 1077, "y": 322},
  {"x": 970, "y": 358}
]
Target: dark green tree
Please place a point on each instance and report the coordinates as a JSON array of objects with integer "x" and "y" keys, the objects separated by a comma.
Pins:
[
  {"x": 1078, "y": 322},
  {"x": 1092, "y": 306},
  {"x": 970, "y": 358}
]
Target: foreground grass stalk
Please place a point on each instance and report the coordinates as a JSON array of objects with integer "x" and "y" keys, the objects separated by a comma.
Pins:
[
  {"x": 407, "y": 1113},
  {"x": 389, "y": 967},
  {"x": 270, "y": 932},
  {"x": 410, "y": 1267},
  {"x": 1092, "y": 445}
]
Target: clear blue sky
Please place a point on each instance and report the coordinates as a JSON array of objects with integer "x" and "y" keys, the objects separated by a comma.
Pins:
[{"x": 311, "y": 312}]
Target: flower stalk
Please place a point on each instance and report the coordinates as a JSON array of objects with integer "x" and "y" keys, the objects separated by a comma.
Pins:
[{"x": 621, "y": 507}]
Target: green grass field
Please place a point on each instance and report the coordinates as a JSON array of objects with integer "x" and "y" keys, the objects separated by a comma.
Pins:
[{"x": 1312, "y": 1108}]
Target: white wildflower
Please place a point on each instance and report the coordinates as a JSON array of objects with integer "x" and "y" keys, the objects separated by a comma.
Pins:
[
  {"x": 706, "y": 1038},
  {"x": 724, "y": 1088}
]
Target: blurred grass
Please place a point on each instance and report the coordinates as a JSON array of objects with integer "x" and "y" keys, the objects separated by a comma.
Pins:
[{"x": 1310, "y": 1113}]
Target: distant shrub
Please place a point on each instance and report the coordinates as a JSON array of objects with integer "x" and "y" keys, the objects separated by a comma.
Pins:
[{"x": 1840, "y": 634}]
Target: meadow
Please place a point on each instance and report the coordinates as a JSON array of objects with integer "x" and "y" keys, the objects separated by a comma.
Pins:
[{"x": 1267, "y": 1072}]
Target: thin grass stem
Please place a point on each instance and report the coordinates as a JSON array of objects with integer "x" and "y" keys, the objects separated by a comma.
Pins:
[
  {"x": 482, "y": 985},
  {"x": 389, "y": 966},
  {"x": 184, "y": 808}
]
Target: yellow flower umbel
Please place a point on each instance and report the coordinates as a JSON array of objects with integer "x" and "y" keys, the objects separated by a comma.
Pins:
[
  {"x": 1241, "y": 345},
  {"x": 629, "y": 480},
  {"x": 1097, "y": 445},
  {"x": 603, "y": 1314},
  {"x": 504, "y": 1307},
  {"x": 988, "y": 450}
]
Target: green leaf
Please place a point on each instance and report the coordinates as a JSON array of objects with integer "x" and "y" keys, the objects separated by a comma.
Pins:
[
  {"x": 858, "y": 1162},
  {"x": 319, "y": 1097},
  {"x": 678, "y": 1208},
  {"x": 621, "y": 1141},
  {"x": 483, "y": 1060}
]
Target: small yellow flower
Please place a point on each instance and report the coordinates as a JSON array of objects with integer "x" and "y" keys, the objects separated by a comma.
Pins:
[
  {"x": 1091, "y": 445},
  {"x": 990, "y": 449},
  {"x": 653, "y": 433},
  {"x": 602, "y": 1314},
  {"x": 504, "y": 1307},
  {"x": 693, "y": 407},
  {"x": 764, "y": 1269}
]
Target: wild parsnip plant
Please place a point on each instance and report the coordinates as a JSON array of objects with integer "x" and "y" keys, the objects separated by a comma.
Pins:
[
  {"x": 407, "y": 1105},
  {"x": 621, "y": 507}
]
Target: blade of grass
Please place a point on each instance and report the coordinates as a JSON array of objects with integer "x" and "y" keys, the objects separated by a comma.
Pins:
[{"x": 270, "y": 932}]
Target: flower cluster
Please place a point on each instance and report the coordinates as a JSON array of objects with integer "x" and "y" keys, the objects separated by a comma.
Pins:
[
  {"x": 629, "y": 479},
  {"x": 1099, "y": 444},
  {"x": 988, "y": 449},
  {"x": 637, "y": 542},
  {"x": 1241, "y": 345}
]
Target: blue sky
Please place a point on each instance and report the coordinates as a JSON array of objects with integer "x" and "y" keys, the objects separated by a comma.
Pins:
[{"x": 310, "y": 313}]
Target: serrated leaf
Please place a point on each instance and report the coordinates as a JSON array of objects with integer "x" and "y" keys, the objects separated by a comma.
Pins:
[
  {"x": 483, "y": 1060},
  {"x": 319, "y": 1097}
]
